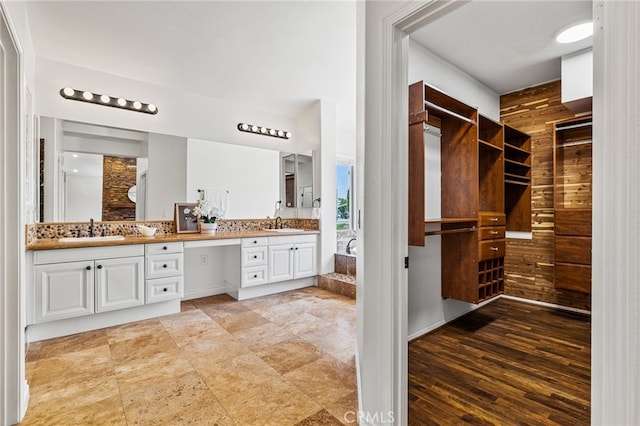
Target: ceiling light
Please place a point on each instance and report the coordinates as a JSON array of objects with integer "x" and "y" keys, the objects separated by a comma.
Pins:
[
  {"x": 74, "y": 155},
  {"x": 575, "y": 33},
  {"x": 75, "y": 170},
  {"x": 262, "y": 130},
  {"x": 106, "y": 100}
]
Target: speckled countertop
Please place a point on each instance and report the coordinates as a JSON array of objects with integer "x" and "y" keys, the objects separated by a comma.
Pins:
[{"x": 51, "y": 244}]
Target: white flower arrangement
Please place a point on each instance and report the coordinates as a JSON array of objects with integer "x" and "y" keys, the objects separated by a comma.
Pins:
[{"x": 206, "y": 212}]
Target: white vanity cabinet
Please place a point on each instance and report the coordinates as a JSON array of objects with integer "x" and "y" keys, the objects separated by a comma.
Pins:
[
  {"x": 292, "y": 257},
  {"x": 75, "y": 282},
  {"x": 164, "y": 271},
  {"x": 253, "y": 252}
]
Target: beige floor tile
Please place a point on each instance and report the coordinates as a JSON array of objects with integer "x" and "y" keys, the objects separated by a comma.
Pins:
[
  {"x": 207, "y": 351},
  {"x": 345, "y": 409},
  {"x": 194, "y": 315},
  {"x": 223, "y": 310},
  {"x": 274, "y": 402},
  {"x": 229, "y": 377},
  {"x": 300, "y": 323},
  {"x": 325, "y": 380},
  {"x": 153, "y": 369},
  {"x": 133, "y": 330},
  {"x": 331, "y": 339},
  {"x": 321, "y": 418},
  {"x": 142, "y": 346},
  {"x": 262, "y": 336},
  {"x": 241, "y": 321},
  {"x": 290, "y": 355},
  {"x": 182, "y": 400},
  {"x": 187, "y": 333},
  {"x": 75, "y": 342},
  {"x": 104, "y": 412},
  {"x": 72, "y": 367}
]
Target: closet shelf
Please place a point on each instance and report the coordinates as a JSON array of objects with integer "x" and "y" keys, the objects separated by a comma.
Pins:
[
  {"x": 452, "y": 220},
  {"x": 515, "y": 148},
  {"x": 489, "y": 145},
  {"x": 517, "y": 163}
]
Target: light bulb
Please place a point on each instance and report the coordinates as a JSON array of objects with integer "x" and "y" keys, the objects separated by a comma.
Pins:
[
  {"x": 272, "y": 132},
  {"x": 288, "y": 135},
  {"x": 151, "y": 107},
  {"x": 105, "y": 99},
  {"x": 280, "y": 133},
  {"x": 263, "y": 130},
  {"x": 121, "y": 102},
  {"x": 254, "y": 128},
  {"x": 68, "y": 91},
  {"x": 244, "y": 126},
  {"x": 137, "y": 105},
  {"x": 75, "y": 170},
  {"x": 87, "y": 95}
]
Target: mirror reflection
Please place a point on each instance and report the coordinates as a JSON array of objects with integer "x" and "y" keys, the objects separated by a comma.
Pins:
[{"x": 297, "y": 180}]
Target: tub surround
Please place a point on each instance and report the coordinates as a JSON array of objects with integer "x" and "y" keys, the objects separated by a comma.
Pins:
[
  {"x": 343, "y": 280},
  {"x": 44, "y": 236}
]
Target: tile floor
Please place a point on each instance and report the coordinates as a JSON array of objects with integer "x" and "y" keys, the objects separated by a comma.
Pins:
[{"x": 286, "y": 359}]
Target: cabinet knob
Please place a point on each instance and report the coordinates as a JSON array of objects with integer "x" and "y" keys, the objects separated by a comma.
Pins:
[
  {"x": 255, "y": 241},
  {"x": 494, "y": 232},
  {"x": 255, "y": 256},
  {"x": 164, "y": 266},
  {"x": 255, "y": 275},
  {"x": 99, "y": 266},
  {"x": 494, "y": 219},
  {"x": 494, "y": 248},
  {"x": 290, "y": 248},
  {"x": 165, "y": 248},
  {"x": 88, "y": 268},
  {"x": 165, "y": 289}
]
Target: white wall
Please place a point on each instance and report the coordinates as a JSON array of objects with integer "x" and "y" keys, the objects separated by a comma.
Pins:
[
  {"x": 251, "y": 175},
  {"x": 83, "y": 198},
  {"x": 426, "y": 307},
  {"x": 425, "y": 65}
]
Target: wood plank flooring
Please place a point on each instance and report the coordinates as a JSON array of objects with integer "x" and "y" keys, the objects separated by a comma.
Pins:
[{"x": 507, "y": 363}]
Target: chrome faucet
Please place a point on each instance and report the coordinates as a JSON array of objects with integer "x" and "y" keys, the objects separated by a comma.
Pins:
[
  {"x": 349, "y": 249},
  {"x": 280, "y": 220},
  {"x": 91, "y": 227}
]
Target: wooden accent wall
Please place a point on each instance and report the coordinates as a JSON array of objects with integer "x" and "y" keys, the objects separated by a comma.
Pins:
[
  {"x": 119, "y": 174},
  {"x": 529, "y": 264}
]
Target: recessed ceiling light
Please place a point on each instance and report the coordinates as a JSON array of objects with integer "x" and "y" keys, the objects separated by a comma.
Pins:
[{"x": 575, "y": 33}]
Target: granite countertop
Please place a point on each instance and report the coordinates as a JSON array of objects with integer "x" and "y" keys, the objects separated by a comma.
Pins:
[{"x": 51, "y": 244}]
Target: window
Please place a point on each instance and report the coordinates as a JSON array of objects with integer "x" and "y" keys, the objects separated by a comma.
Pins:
[{"x": 344, "y": 196}]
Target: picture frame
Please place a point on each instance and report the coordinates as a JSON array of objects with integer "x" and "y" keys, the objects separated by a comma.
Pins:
[{"x": 185, "y": 221}]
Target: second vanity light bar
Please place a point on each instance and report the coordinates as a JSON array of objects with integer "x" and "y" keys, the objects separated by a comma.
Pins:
[
  {"x": 266, "y": 131},
  {"x": 106, "y": 100}
]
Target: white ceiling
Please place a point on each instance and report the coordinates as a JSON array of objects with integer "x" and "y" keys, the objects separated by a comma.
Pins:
[
  {"x": 281, "y": 56},
  {"x": 507, "y": 45}
]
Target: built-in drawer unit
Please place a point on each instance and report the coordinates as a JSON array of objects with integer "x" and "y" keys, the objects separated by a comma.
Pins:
[
  {"x": 254, "y": 275},
  {"x": 254, "y": 256},
  {"x": 573, "y": 249},
  {"x": 164, "y": 271},
  {"x": 491, "y": 249},
  {"x": 576, "y": 222},
  {"x": 571, "y": 276},
  {"x": 491, "y": 233},
  {"x": 492, "y": 219},
  {"x": 255, "y": 242}
]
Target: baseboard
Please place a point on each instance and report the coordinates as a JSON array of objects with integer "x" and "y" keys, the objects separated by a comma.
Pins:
[
  {"x": 25, "y": 400},
  {"x": 547, "y": 304},
  {"x": 204, "y": 292}
]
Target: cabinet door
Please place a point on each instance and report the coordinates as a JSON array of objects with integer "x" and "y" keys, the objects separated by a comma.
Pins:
[
  {"x": 119, "y": 283},
  {"x": 280, "y": 263},
  {"x": 64, "y": 290},
  {"x": 304, "y": 260}
]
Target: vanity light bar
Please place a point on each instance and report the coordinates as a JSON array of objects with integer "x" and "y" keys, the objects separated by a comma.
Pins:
[
  {"x": 266, "y": 131},
  {"x": 106, "y": 100}
]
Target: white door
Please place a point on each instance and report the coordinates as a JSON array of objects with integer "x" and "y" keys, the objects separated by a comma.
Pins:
[
  {"x": 280, "y": 263},
  {"x": 119, "y": 283},
  {"x": 304, "y": 260},
  {"x": 64, "y": 290}
]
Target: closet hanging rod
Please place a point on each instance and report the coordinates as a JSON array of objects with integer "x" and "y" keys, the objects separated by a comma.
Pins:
[
  {"x": 573, "y": 126},
  {"x": 450, "y": 231},
  {"x": 453, "y": 114},
  {"x": 576, "y": 143}
]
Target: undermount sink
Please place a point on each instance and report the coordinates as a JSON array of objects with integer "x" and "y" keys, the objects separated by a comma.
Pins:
[
  {"x": 88, "y": 239},
  {"x": 285, "y": 230}
]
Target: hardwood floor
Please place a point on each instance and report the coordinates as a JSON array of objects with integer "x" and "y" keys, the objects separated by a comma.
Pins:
[{"x": 505, "y": 363}]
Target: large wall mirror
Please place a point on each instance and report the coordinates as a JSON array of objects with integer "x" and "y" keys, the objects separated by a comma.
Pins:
[{"x": 92, "y": 171}]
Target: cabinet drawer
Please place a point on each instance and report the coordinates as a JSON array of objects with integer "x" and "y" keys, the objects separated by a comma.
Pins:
[
  {"x": 254, "y": 256},
  {"x": 491, "y": 233},
  {"x": 164, "y": 265},
  {"x": 255, "y": 242},
  {"x": 161, "y": 289},
  {"x": 569, "y": 276},
  {"x": 491, "y": 249},
  {"x": 573, "y": 222},
  {"x": 573, "y": 250},
  {"x": 254, "y": 276},
  {"x": 163, "y": 248},
  {"x": 492, "y": 219}
]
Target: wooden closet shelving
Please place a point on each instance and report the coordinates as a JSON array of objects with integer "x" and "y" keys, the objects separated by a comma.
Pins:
[
  {"x": 517, "y": 179},
  {"x": 572, "y": 178}
]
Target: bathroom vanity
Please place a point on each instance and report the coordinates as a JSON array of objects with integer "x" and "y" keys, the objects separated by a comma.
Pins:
[{"x": 85, "y": 285}]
